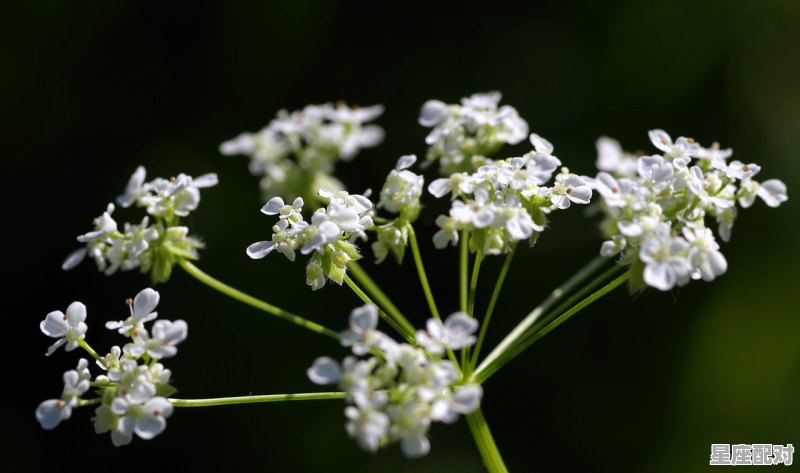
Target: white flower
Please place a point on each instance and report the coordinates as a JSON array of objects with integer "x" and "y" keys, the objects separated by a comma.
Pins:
[
  {"x": 68, "y": 328},
  {"x": 700, "y": 183},
  {"x": 666, "y": 261},
  {"x": 146, "y": 419},
  {"x": 432, "y": 113},
  {"x": 681, "y": 148},
  {"x": 134, "y": 382},
  {"x": 656, "y": 171},
  {"x": 773, "y": 192},
  {"x": 361, "y": 335},
  {"x": 166, "y": 334},
  {"x": 614, "y": 246},
  {"x": 297, "y": 151},
  {"x": 463, "y": 134},
  {"x": 464, "y": 400},
  {"x": 104, "y": 225},
  {"x": 569, "y": 188},
  {"x": 276, "y": 206},
  {"x": 135, "y": 188},
  {"x": 76, "y": 382},
  {"x": 179, "y": 195},
  {"x": 611, "y": 158},
  {"x": 324, "y": 371},
  {"x": 455, "y": 333},
  {"x": 142, "y": 308},
  {"x": 448, "y": 232},
  {"x": 403, "y": 188},
  {"x": 540, "y": 168},
  {"x": 706, "y": 260},
  {"x": 284, "y": 240},
  {"x": 410, "y": 424},
  {"x": 368, "y": 426}
]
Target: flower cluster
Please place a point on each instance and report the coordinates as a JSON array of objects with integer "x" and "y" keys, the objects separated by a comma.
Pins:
[
  {"x": 657, "y": 207},
  {"x": 396, "y": 395},
  {"x": 505, "y": 201},
  {"x": 464, "y": 135},
  {"x": 400, "y": 195},
  {"x": 329, "y": 236},
  {"x": 296, "y": 152},
  {"x": 132, "y": 392},
  {"x": 151, "y": 247}
]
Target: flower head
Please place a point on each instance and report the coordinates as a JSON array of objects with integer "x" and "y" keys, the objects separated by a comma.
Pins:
[{"x": 657, "y": 214}]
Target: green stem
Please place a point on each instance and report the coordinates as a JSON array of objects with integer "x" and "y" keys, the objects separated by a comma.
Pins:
[
  {"x": 388, "y": 319},
  {"x": 225, "y": 401},
  {"x": 606, "y": 276},
  {"x": 551, "y": 300},
  {"x": 89, "y": 402},
  {"x": 82, "y": 343},
  {"x": 534, "y": 337},
  {"x": 462, "y": 271},
  {"x": 423, "y": 278},
  {"x": 473, "y": 285},
  {"x": 481, "y": 375},
  {"x": 492, "y": 302},
  {"x": 253, "y": 302},
  {"x": 485, "y": 442},
  {"x": 378, "y": 295}
]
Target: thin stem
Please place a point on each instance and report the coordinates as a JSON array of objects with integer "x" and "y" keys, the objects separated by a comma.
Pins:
[
  {"x": 423, "y": 278},
  {"x": 481, "y": 375},
  {"x": 533, "y": 338},
  {"x": 225, "y": 401},
  {"x": 492, "y": 302},
  {"x": 485, "y": 442},
  {"x": 82, "y": 343},
  {"x": 89, "y": 402},
  {"x": 253, "y": 302},
  {"x": 462, "y": 271},
  {"x": 473, "y": 285},
  {"x": 606, "y": 276},
  {"x": 378, "y": 295},
  {"x": 551, "y": 300},
  {"x": 389, "y": 320}
]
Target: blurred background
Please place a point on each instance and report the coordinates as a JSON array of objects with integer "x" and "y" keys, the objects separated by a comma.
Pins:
[{"x": 92, "y": 89}]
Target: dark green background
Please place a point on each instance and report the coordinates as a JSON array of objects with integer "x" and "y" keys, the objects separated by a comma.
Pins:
[{"x": 89, "y": 90}]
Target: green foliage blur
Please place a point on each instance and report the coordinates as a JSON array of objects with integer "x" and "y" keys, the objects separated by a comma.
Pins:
[{"x": 92, "y": 89}]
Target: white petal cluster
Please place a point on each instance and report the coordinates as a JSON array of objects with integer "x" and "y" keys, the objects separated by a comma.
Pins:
[
  {"x": 403, "y": 188},
  {"x": 657, "y": 206},
  {"x": 296, "y": 152},
  {"x": 505, "y": 201},
  {"x": 50, "y": 413},
  {"x": 329, "y": 236},
  {"x": 455, "y": 333},
  {"x": 400, "y": 195},
  {"x": 151, "y": 247},
  {"x": 133, "y": 390},
  {"x": 465, "y": 134},
  {"x": 395, "y": 397}
]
